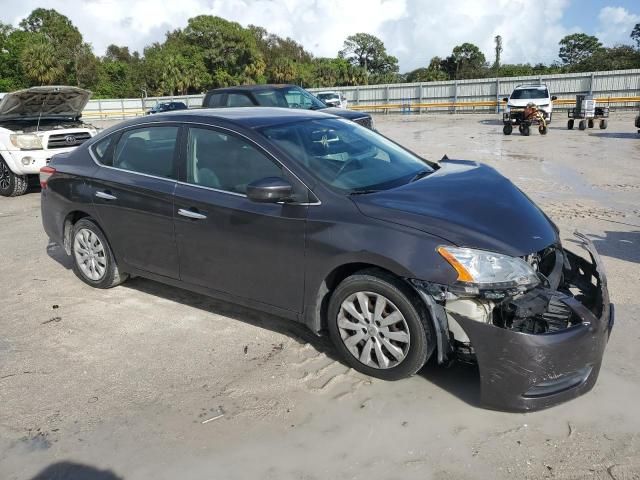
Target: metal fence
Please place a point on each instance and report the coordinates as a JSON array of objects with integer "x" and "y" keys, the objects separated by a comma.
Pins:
[{"x": 618, "y": 88}]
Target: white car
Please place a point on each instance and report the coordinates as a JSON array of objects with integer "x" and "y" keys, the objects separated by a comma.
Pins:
[
  {"x": 333, "y": 99},
  {"x": 35, "y": 124},
  {"x": 537, "y": 94}
]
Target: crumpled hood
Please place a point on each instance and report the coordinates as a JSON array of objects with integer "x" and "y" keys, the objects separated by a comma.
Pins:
[
  {"x": 470, "y": 205},
  {"x": 50, "y": 101}
]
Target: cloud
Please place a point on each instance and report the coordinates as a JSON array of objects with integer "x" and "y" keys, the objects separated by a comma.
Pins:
[
  {"x": 615, "y": 25},
  {"x": 413, "y": 30}
]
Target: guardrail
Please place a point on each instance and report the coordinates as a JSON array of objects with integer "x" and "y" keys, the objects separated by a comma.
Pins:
[{"x": 413, "y": 106}]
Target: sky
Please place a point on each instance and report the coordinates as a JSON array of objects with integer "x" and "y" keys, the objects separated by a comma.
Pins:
[{"x": 412, "y": 30}]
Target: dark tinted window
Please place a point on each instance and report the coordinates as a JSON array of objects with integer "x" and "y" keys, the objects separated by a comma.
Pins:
[
  {"x": 225, "y": 162},
  {"x": 101, "y": 150},
  {"x": 149, "y": 150},
  {"x": 239, "y": 100},
  {"x": 214, "y": 100},
  {"x": 530, "y": 93},
  {"x": 288, "y": 97}
]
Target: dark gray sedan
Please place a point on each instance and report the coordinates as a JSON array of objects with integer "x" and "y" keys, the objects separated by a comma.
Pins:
[{"x": 320, "y": 220}]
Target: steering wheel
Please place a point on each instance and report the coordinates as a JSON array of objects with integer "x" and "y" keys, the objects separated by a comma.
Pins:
[{"x": 343, "y": 168}]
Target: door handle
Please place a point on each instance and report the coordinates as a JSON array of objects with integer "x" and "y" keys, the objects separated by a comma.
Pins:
[
  {"x": 106, "y": 196},
  {"x": 191, "y": 214}
]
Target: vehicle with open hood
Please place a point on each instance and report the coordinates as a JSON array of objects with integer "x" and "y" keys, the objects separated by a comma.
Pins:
[{"x": 35, "y": 124}]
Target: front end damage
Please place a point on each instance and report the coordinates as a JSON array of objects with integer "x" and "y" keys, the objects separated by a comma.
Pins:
[{"x": 534, "y": 348}]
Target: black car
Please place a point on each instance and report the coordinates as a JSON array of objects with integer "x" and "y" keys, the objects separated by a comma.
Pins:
[
  {"x": 167, "y": 107},
  {"x": 332, "y": 225},
  {"x": 282, "y": 96}
]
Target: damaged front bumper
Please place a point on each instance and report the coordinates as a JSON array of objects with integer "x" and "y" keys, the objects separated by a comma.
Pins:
[{"x": 522, "y": 370}]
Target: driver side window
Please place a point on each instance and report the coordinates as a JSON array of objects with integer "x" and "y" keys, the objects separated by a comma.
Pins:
[{"x": 225, "y": 162}]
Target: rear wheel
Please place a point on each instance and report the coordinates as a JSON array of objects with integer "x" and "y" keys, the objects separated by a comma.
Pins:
[
  {"x": 582, "y": 125},
  {"x": 93, "y": 261},
  {"x": 11, "y": 185},
  {"x": 378, "y": 325},
  {"x": 542, "y": 129},
  {"x": 507, "y": 129},
  {"x": 570, "y": 124},
  {"x": 603, "y": 124},
  {"x": 525, "y": 130},
  {"x": 590, "y": 123}
]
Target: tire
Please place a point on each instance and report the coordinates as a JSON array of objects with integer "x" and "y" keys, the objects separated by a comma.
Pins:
[
  {"x": 542, "y": 129},
  {"x": 590, "y": 123},
  {"x": 87, "y": 239},
  {"x": 520, "y": 129},
  {"x": 525, "y": 130},
  {"x": 507, "y": 129},
  {"x": 370, "y": 354},
  {"x": 570, "y": 124},
  {"x": 11, "y": 185},
  {"x": 603, "y": 124},
  {"x": 582, "y": 125}
]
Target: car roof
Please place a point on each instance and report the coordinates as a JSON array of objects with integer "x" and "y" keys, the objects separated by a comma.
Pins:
[
  {"x": 531, "y": 85},
  {"x": 248, "y": 117},
  {"x": 251, "y": 88}
]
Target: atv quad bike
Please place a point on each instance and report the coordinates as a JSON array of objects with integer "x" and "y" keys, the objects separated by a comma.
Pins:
[{"x": 530, "y": 115}]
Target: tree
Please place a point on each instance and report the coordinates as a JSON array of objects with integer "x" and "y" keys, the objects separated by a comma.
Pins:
[
  {"x": 368, "y": 52},
  {"x": 40, "y": 64},
  {"x": 577, "y": 47},
  {"x": 63, "y": 36},
  {"x": 466, "y": 61},
  {"x": 635, "y": 35},
  {"x": 620, "y": 57}
]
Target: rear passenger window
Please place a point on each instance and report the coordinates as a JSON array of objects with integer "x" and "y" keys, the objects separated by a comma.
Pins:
[
  {"x": 149, "y": 150},
  {"x": 214, "y": 100},
  {"x": 238, "y": 100},
  {"x": 101, "y": 150},
  {"x": 225, "y": 162}
]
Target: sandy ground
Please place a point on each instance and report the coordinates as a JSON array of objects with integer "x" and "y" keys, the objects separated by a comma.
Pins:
[{"x": 120, "y": 383}]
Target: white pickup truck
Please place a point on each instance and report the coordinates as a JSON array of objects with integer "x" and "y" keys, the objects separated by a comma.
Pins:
[{"x": 36, "y": 124}]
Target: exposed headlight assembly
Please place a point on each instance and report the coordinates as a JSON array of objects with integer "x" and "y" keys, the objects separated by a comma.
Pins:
[
  {"x": 26, "y": 141},
  {"x": 489, "y": 270}
]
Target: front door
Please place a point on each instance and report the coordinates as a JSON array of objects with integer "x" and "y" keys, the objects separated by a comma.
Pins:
[{"x": 225, "y": 241}]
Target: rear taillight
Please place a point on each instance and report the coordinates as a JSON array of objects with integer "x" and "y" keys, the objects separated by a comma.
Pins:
[{"x": 45, "y": 175}]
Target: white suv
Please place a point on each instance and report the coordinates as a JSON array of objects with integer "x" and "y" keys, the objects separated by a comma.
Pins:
[
  {"x": 333, "y": 99},
  {"x": 537, "y": 94},
  {"x": 36, "y": 124}
]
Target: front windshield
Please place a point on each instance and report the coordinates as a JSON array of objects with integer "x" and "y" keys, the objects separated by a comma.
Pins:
[
  {"x": 346, "y": 156},
  {"x": 288, "y": 97},
  {"x": 530, "y": 93}
]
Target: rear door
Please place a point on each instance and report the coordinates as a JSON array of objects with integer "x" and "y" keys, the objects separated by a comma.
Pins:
[
  {"x": 133, "y": 195},
  {"x": 225, "y": 241}
]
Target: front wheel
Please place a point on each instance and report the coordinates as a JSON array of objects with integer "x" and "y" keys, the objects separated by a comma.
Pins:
[
  {"x": 603, "y": 124},
  {"x": 507, "y": 129},
  {"x": 93, "y": 260},
  {"x": 542, "y": 129},
  {"x": 590, "y": 123},
  {"x": 11, "y": 185},
  {"x": 570, "y": 124},
  {"x": 525, "y": 130},
  {"x": 379, "y": 326}
]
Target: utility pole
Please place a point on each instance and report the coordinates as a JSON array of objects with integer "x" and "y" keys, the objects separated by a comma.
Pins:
[{"x": 498, "y": 40}]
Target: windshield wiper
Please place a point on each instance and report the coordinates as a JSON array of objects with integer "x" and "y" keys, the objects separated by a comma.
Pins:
[
  {"x": 363, "y": 192},
  {"x": 419, "y": 175}
]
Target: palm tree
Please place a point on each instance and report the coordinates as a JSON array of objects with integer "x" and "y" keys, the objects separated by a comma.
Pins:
[{"x": 39, "y": 63}]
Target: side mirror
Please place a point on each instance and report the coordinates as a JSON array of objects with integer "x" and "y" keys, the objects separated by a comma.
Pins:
[
  {"x": 269, "y": 190},
  {"x": 554, "y": 98},
  {"x": 505, "y": 99}
]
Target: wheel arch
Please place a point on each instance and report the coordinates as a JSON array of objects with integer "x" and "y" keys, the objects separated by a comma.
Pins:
[
  {"x": 70, "y": 220},
  {"x": 319, "y": 316}
]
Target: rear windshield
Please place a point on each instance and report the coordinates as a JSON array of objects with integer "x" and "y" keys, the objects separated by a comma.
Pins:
[
  {"x": 328, "y": 96},
  {"x": 288, "y": 97},
  {"x": 530, "y": 93}
]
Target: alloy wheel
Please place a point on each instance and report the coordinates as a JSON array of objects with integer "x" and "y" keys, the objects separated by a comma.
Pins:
[
  {"x": 374, "y": 330},
  {"x": 90, "y": 254}
]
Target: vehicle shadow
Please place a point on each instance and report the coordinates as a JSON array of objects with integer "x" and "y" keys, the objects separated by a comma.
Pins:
[
  {"x": 74, "y": 471},
  {"x": 297, "y": 331},
  {"x": 621, "y": 245},
  {"x": 627, "y": 135},
  {"x": 461, "y": 380}
]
